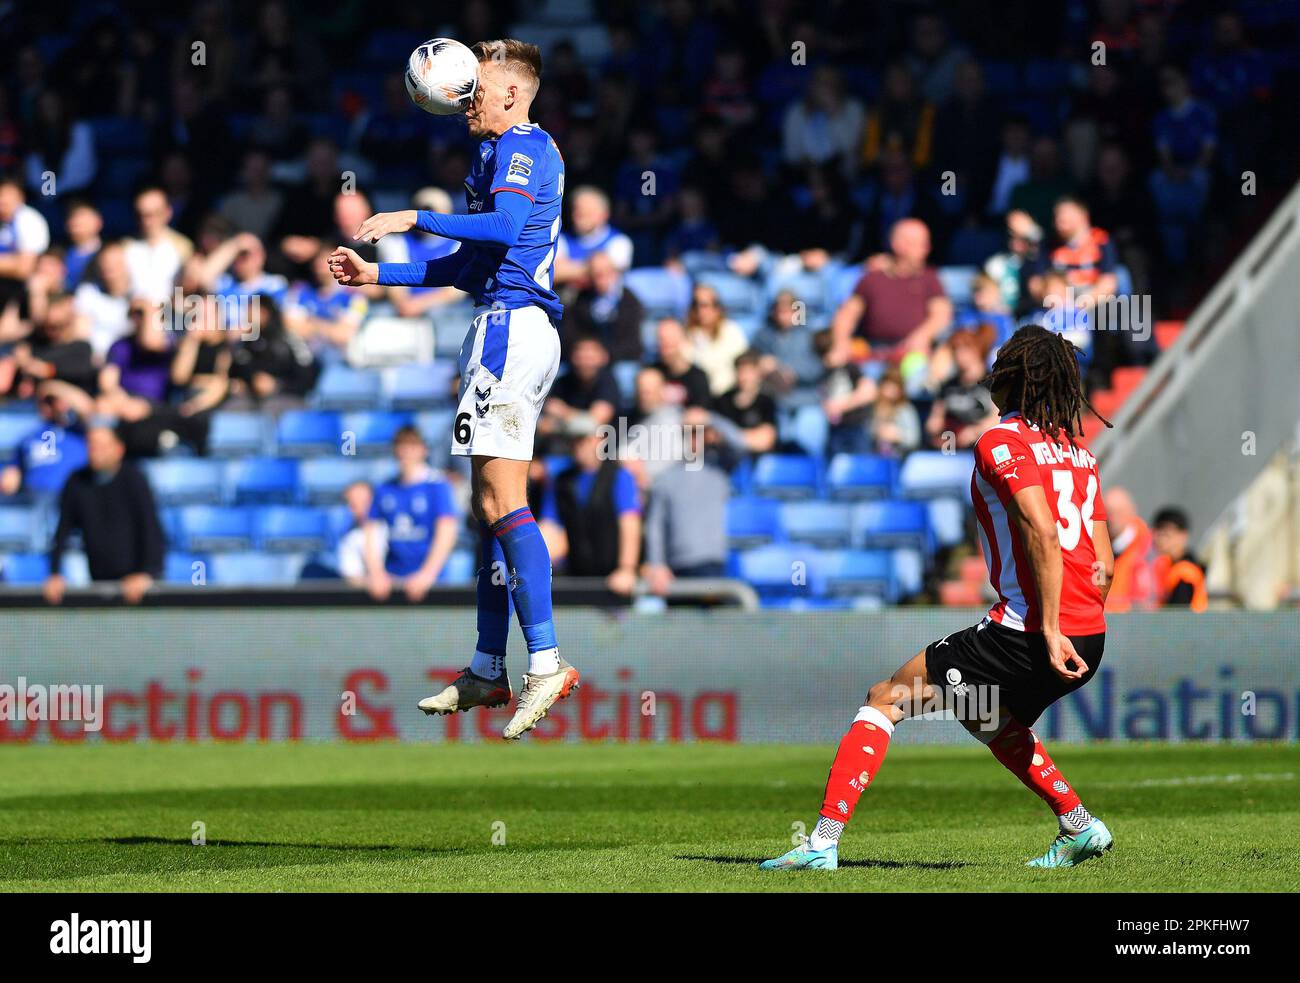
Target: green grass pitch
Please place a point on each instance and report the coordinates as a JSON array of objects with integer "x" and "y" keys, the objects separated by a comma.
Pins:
[{"x": 387, "y": 817}]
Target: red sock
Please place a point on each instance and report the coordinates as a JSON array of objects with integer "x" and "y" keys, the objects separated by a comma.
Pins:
[
  {"x": 859, "y": 757},
  {"x": 1023, "y": 754}
]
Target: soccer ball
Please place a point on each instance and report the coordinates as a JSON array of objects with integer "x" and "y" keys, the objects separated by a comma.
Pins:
[{"x": 441, "y": 76}]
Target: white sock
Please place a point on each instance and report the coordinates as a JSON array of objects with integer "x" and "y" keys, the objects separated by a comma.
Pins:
[
  {"x": 487, "y": 666},
  {"x": 544, "y": 663},
  {"x": 827, "y": 833},
  {"x": 1075, "y": 821}
]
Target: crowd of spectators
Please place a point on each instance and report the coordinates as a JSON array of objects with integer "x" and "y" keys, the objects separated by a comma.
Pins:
[{"x": 167, "y": 166}]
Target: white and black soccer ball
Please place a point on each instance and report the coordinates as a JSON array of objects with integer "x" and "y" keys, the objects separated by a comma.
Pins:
[{"x": 442, "y": 76}]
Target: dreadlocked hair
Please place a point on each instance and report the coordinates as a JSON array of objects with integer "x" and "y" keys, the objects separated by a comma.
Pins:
[{"x": 1039, "y": 373}]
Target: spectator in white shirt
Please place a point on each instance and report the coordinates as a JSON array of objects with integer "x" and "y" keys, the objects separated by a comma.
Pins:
[
  {"x": 591, "y": 233},
  {"x": 24, "y": 235},
  {"x": 104, "y": 298},
  {"x": 157, "y": 255}
]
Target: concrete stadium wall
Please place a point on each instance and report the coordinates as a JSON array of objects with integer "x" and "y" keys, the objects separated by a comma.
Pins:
[{"x": 356, "y": 674}]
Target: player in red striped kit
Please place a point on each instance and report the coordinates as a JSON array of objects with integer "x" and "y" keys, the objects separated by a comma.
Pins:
[{"x": 1043, "y": 530}]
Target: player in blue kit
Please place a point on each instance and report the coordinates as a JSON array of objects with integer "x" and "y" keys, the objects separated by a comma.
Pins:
[{"x": 507, "y": 363}]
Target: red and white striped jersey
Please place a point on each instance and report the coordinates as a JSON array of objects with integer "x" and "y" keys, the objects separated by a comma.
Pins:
[{"x": 1015, "y": 455}]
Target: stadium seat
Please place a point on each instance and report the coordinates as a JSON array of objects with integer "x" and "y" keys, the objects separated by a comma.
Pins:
[
  {"x": 930, "y": 474},
  {"x": 290, "y": 529},
  {"x": 625, "y": 374},
  {"x": 972, "y": 247},
  {"x": 808, "y": 428},
  {"x": 461, "y": 568},
  {"x": 181, "y": 568},
  {"x": 338, "y": 523},
  {"x": 184, "y": 481},
  {"x": 450, "y": 325},
  {"x": 948, "y": 520},
  {"x": 385, "y": 341},
  {"x": 418, "y": 387},
  {"x": 785, "y": 476},
  {"x": 817, "y": 523},
  {"x": 909, "y": 572},
  {"x": 371, "y": 434},
  {"x": 24, "y": 568},
  {"x": 321, "y": 480},
  {"x": 861, "y": 476},
  {"x": 886, "y": 525},
  {"x": 808, "y": 287},
  {"x": 840, "y": 283},
  {"x": 237, "y": 434},
  {"x": 14, "y": 427},
  {"x": 18, "y": 528},
  {"x": 738, "y": 294},
  {"x": 343, "y": 388},
  {"x": 752, "y": 521},
  {"x": 956, "y": 281},
  {"x": 775, "y": 571},
  {"x": 840, "y": 573},
  {"x": 255, "y": 569},
  {"x": 301, "y": 433},
  {"x": 262, "y": 480},
  {"x": 211, "y": 528},
  {"x": 663, "y": 293}
]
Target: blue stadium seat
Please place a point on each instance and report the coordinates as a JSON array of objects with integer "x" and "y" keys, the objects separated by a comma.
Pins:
[
  {"x": 418, "y": 387},
  {"x": 861, "y": 476},
  {"x": 291, "y": 529},
  {"x": 344, "y": 388},
  {"x": 825, "y": 524},
  {"x": 841, "y": 573},
  {"x": 184, "y": 481},
  {"x": 373, "y": 431},
  {"x": 885, "y": 525},
  {"x": 262, "y": 480},
  {"x": 255, "y": 569},
  {"x": 663, "y": 293},
  {"x": 181, "y": 567},
  {"x": 13, "y": 428},
  {"x": 301, "y": 433},
  {"x": 321, "y": 480},
  {"x": 18, "y": 528},
  {"x": 461, "y": 568},
  {"x": 210, "y": 528},
  {"x": 956, "y": 281},
  {"x": 775, "y": 571},
  {"x": 931, "y": 474},
  {"x": 237, "y": 434},
  {"x": 785, "y": 476},
  {"x": 24, "y": 568},
  {"x": 738, "y": 294},
  {"x": 809, "y": 428},
  {"x": 338, "y": 523},
  {"x": 948, "y": 520},
  {"x": 840, "y": 282},
  {"x": 450, "y": 324},
  {"x": 625, "y": 374},
  {"x": 752, "y": 521},
  {"x": 909, "y": 572},
  {"x": 808, "y": 287}
]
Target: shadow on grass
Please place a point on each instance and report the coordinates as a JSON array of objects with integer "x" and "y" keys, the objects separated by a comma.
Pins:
[{"x": 876, "y": 864}]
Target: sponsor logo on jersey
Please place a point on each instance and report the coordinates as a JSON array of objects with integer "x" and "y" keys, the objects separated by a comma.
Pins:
[
  {"x": 520, "y": 169},
  {"x": 1001, "y": 453}
]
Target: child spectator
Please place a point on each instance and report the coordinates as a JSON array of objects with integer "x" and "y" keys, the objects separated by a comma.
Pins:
[
  {"x": 846, "y": 395},
  {"x": 892, "y": 420}
]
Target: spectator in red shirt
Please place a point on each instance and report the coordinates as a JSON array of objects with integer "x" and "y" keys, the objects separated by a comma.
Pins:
[{"x": 899, "y": 305}]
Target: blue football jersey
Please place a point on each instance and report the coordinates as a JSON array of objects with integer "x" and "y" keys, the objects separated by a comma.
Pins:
[
  {"x": 411, "y": 512},
  {"x": 524, "y": 160}
]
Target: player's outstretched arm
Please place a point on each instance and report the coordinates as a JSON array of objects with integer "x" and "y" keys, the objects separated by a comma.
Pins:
[{"x": 351, "y": 270}]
